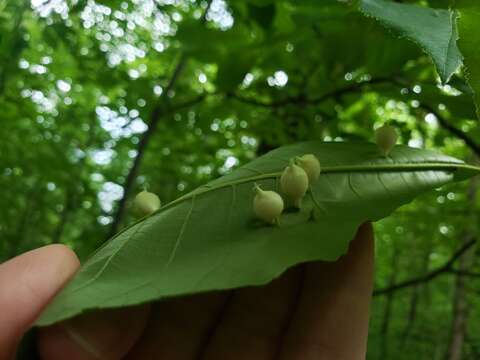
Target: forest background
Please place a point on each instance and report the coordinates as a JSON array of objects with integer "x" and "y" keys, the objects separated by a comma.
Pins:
[{"x": 100, "y": 99}]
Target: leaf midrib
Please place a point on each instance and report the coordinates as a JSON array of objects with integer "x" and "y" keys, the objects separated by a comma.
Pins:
[
  {"x": 336, "y": 169},
  {"x": 438, "y": 165}
]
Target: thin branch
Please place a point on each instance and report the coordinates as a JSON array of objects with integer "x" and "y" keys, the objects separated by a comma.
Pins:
[
  {"x": 176, "y": 73},
  {"x": 155, "y": 116},
  {"x": 132, "y": 174},
  {"x": 444, "y": 269},
  {"x": 465, "y": 273},
  {"x": 453, "y": 130},
  {"x": 191, "y": 102},
  {"x": 349, "y": 89},
  {"x": 475, "y": 147},
  {"x": 144, "y": 141},
  {"x": 302, "y": 100}
]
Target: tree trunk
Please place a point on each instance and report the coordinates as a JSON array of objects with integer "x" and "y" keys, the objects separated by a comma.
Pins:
[
  {"x": 460, "y": 303},
  {"x": 412, "y": 312},
  {"x": 460, "y": 309},
  {"x": 387, "y": 314}
]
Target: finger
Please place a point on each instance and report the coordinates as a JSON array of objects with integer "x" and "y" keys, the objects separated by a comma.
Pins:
[
  {"x": 106, "y": 334},
  {"x": 178, "y": 328},
  {"x": 331, "y": 320},
  {"x": 255, "y": 320},
  {"x": 28, "y": 283}
]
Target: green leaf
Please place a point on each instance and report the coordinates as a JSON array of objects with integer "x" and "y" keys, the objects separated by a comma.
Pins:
[
  {"x": 209, "y": 239},
  {"x": 261, "y": 2},
  {"x": 432, "y": 29},
  {"x": 469, "y": 43},
  {"x": 207, "y": 44},
  {"x": 199, "y": 41},
  {"x": 263, "y": 15},
  {"x": 233, "y": 68},
  {"x": 112, "y": 4}
]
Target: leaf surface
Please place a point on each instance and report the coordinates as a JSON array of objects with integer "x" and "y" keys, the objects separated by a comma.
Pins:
[
  {"x": 469, "y": 43},
  {"x": 432, "y": 29},
  {"x": 209, "y": 239}
]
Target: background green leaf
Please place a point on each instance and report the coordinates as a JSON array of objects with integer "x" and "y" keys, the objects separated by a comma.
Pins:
[
  {"x": 432, "y": 29},
  {"x": 232, "y": 70},
  {"x": 262, "y": 14},
  {"x": 469, "y": 43}
]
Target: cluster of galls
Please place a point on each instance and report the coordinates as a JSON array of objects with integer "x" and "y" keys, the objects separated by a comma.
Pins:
[{"x": 294, "y": 182}]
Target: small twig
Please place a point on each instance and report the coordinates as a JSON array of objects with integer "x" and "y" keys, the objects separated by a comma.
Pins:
[
  {"x": 444, "y": 269},
  {"x": 302, "y": 100},
  {"x": 156, "y": 114},
  {"x": 465, "y": 273},
  {"x": 452, "y": 129}
]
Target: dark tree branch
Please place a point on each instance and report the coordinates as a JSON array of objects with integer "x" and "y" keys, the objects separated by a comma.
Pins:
[
  {"x": 453, "y": 130},
  {"x": 160, "y": 109},
  {"x": 132, "y": 174},
  {"x": 475, "y": 147},
  {"x": 445, "y": 268},
  {"x": 180, "y": 106},
  {"x": 176, "y": 73},
  {"x": 157, "y": 113},
  {"x": 302, "y": 100},
  {"x": 189, "y": 103},
  {"x": 465, "y": 273}
]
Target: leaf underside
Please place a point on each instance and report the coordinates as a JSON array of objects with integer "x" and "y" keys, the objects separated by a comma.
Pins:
[{"x": 209, "y": 239}]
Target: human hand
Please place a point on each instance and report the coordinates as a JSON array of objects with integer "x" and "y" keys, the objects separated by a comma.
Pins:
[
  {"x": 315, "y": 311},
  {"x": 27, "y": 284}
]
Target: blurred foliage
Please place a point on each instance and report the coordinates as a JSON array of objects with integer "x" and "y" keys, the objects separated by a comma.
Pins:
[{"x": 187, "y": 90}]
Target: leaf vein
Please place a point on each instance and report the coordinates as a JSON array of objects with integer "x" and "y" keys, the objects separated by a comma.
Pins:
[
  {"x": 180, "y": 235},
  {"x": 349, "y": 177},
  {"x": 109, "y": 259}
]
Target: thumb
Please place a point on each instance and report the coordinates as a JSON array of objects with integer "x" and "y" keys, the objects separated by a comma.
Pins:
[{"x": 27, "y": 284}]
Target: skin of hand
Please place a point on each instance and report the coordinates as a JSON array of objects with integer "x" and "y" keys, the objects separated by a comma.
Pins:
[{"x": 316, "y": 310}]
